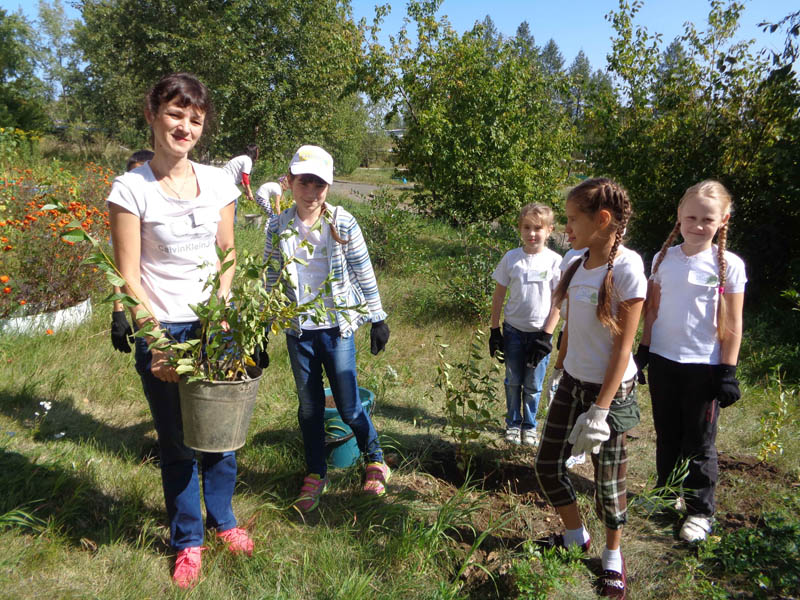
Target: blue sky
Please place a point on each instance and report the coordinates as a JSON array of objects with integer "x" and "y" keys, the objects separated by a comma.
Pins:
[
  {"x": 581, "y": 25},
  {"x": 573, "y": 24}
]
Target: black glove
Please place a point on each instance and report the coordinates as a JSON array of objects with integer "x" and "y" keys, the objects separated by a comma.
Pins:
[
  {"x": 260, "y": 356},
  {"x": 378, "y": 336},
  {"x": 541, "y": 345},
  {"x": 726, "y": 386},
  {"x": 121, "y": 332},
  {"x": 641, "y": 358},
  {"x": 496, "y": 343}
]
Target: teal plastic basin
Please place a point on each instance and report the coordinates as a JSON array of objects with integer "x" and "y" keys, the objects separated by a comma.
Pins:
[{"x": 340, "y": 442}]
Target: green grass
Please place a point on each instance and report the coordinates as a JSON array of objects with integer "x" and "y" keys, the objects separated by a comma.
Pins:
[{"x": 82, "y": 516}]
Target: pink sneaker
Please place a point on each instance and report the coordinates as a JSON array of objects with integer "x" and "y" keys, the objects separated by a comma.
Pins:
[
  {"x": 313, "y": 488},
  {"x": 378, "y": 474},
  {"x": 238, "y": 540},
  {"x": 187, "y": 567}
]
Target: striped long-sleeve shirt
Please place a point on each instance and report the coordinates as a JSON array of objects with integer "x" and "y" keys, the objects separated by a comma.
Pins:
[{"x": 354, "y": 282}]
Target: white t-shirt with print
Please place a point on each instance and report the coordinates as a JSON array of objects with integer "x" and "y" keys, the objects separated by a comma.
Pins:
[
  {"x": 178, "y": 237},
  {"x": 238, "y": 165},
  {"x": 311, "y": 275},
  {"x": 685, "y": 329},
  {"x": 531, "y": 280},
  {"x": 589, "y": 341}
]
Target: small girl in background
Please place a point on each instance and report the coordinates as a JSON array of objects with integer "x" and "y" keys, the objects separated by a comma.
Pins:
[
  {"x": 595, "y": 403},
  {"x": 691, "y": 338},
  {"x": 529, "y": 274},
  {"x": 268, "y": 198}
]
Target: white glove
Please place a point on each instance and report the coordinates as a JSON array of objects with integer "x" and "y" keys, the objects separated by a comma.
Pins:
[
  {"x": 590, "y": 431},
  {"x": 551, "y": 385}
]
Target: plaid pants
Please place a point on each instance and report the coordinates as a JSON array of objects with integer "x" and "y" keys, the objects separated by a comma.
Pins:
[{"x": 573, "y": 398}]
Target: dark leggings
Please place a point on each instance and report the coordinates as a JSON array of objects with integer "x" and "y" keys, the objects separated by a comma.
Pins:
[{"x": 685, "y": 415}]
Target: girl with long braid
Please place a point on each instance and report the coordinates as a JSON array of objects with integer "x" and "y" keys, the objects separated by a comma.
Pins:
[
  {"x": 692, "y": 333},
  {"x": 595, "y": 403}
]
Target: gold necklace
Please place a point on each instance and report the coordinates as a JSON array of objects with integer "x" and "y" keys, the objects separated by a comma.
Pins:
[{"x": 178, "y": 194}]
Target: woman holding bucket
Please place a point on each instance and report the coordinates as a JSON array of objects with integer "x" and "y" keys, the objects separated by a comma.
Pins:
[
  {"x": 166, "y": 217},
  {"x": 329, "y": 241}
]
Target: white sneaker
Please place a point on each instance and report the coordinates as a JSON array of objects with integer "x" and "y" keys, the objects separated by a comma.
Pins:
[
  {"x": 513, "y": 435},
  {"x": 530, "y": 437},
  {"x": 695, "y": 528},
  {"x": 573, "y": 461}
]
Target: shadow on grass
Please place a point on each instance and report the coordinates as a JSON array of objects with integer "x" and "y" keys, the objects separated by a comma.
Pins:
[
  {"x": 63, "y": 417},
  {"x": 73, "y": 505}
]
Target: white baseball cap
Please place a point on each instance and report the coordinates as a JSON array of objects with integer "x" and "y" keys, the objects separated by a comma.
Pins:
[{"x": 312, "y": 160}]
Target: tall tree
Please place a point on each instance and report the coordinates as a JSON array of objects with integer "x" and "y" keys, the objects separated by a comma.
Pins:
[
  {"x": 551, "y": 58},
  {"x": 481, "y": 134},
  {"x": 60, "y": 59},
  {"x": 278, "y": 69},
  {"x": 21, "y": 91}
]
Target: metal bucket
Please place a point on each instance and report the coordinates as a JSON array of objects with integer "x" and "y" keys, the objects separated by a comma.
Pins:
[
  {"x": 216, "y": 414},
  {"x": 340, "y": 442}
]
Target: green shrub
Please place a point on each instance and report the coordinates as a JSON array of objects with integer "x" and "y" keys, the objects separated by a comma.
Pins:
[
  {"x": 390, "y": 230},
  {"x": 765, "y": 558}
]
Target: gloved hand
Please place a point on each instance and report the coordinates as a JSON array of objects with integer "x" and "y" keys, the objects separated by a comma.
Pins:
[
  {"x": 551, "y": 385},
  {"x": 590, "y": 431},
  {"x": 260, "y": 356},
  {"x": 496, "y": 343},
  {"x": 726, "y": 385},
  {"x": 121, "y": 332},
  {"x": 541, "y": 346},
  {"x": 641, "y": 358},
  {"x": 378, "y": 336}
]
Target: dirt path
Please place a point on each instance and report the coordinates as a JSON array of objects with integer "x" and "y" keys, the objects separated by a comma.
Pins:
[{"x": 357, "y": 191}]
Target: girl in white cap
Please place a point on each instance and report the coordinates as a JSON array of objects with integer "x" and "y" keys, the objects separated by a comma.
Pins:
[{"x": 338, "y": 248}]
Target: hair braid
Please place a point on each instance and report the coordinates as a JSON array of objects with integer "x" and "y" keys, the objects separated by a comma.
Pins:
[
  {"x": 722, "y": 308},
  {"x": 328, "y": 215},
  {"x": 663, "y": 252}
]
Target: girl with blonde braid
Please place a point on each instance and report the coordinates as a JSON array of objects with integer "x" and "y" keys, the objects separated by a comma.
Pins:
[
  {"x": 691, "y": 339},
  {"x": 595, "y": 403}
]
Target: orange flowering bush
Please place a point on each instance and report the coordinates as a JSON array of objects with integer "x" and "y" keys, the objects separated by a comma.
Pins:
[{"x": 40, "y": 271}]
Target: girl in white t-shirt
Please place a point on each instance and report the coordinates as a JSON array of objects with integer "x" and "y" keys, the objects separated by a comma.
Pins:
[
  {"x": 595, "y": 403},
  {"x": 166, "y": 217},
  {"x": 529, "y": 274},
  {"x": 691, "y": 338}
]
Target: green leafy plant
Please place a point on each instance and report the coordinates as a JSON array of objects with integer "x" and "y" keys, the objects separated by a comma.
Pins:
[
  {"x": 776, "y": 420},
  {"x": 664, "y": 498},
  {"x": 468, "y": 286},
  {"x": 391, "y": 230},
  {"x": 765, "y": 558},
  {"x": 544, "y": 569},
  {"x": 470, "y": 394},
  {"x": 230, "y": 329}
]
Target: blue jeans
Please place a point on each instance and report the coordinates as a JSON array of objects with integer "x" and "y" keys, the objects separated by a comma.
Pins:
[
  {"x": 179, "y": 464},
  {"x": 309, "y": 353},
  {"x": 523, "y": 385}
]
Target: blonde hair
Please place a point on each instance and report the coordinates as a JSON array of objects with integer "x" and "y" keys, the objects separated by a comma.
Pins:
[
  {"x": 710, "y": 190},
  {"x": 541, "y": 214},
  {"x": 591, "y": 196}
]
